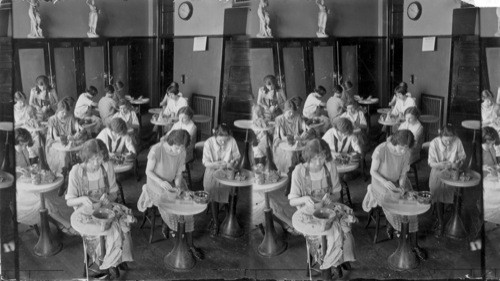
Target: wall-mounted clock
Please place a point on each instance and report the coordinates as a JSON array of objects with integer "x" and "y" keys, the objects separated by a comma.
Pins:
[
  {"x": 414, "y": 10},
  {"x": 185, "y": 10}
]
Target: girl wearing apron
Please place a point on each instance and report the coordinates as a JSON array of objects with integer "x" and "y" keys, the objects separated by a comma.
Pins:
[
  {"x": 44, "y": 98},
  {"x": 445, "y": 152},
  {"x": 390, "y": 164},
  {"x": 61, "y": 124},
  {"x": 220, "y": 151},
  {"x": 271, "y": 97},
  {"x": 94, "y": 181},
  {"x": 166, "y": 162},
  {"x": 317, "y": 181}
]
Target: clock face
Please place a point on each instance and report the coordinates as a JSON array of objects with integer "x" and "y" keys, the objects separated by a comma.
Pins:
[
  {"x": 185, "y": 10},
  {"x": 414, "y": 10}
]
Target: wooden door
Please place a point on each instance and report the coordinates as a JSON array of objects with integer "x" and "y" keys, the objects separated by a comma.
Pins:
[
  {"x": 349, "y": 65},
  {"x": 119, "y": 63},
  {"x": 95, "y": 66},
  {"x": 294, "y": 58},
  {"x": 324, "y": 67},
  {"x": 33, "y": 61},
  {"x": 64, "y": 56}
]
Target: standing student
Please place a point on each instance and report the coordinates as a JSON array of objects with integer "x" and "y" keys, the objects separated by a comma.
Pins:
[
  {"x": 271, "y": 97},
  {"x": 43, "y": 97},
  {"x": 107, "y": 105},
  {"x": 445, "y": 152}
]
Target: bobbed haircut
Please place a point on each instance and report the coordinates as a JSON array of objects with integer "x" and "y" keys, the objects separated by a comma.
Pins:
[
  {"x": 447, "y": 131},
  {"x": 23, "y": 136},
  {"x": 186, "y": 110},
  {"x": 413, "y": 111},
  {"x": 486, "y": 94},
  {"x": 173, "y": 90},
  {"x": 337, "y": 89},
  {"x": 90, "y": 149},
  {"x": 179, "y": 137},
  {"x": 344, "y": 125},
  {"x": 320, "y": 90},
  {"x": 63, "y": 105},
  {"x": 92, "y": 91},
  {"x": 352, "y": 103},
  {"x": 103, "y": 149},
  {"x": 404, "y": 138},
  {"x": 490, "y": 134},
  {"x": 118, "y": 126},
  {"x": 19, "y": 96},
  {"x": 109, "y": 89},
  {"x": 314, "y": 148},
  {"x": 124, "y": 102},
  {"x": 400, "y": 90},
  {"x": 290, "y": 105},
  {"x": 222, "y": 130}
]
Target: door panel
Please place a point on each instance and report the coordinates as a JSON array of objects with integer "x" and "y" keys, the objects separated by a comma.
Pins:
[
  {"x": 65, "y": 72},
  {"x": 119, "y": 65},
  {"x": 295, "y": 84},
  {"x": 324, "y": 68},
  {"x": 261, "y": 65},
  {"x": 32, "y": 65},
  {"x": 349, "y": 61},
  {"x": 95, "y": 68}
]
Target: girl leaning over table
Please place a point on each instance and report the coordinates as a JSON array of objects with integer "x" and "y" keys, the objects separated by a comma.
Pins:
[
  {"x": 445, "y": 152},
  {"x": 43, "y": 97},
  {"x": 390, "y": 165},
  {"x": 316, "y": 180},
  {"x": 63, "y": 123},
  {"x": 93, "y": 181},
  {"x": 220, "y": 151},
  {"x": 166, "y": 162},
  {"x": 28, "y": 203}
]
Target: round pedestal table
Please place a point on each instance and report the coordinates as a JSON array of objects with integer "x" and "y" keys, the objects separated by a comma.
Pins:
[
  {"x": 121, "y": 169},
  {"x": 230, "y": 228},
  {"x": 155, "y": 110},
  {"x": 474, "y": 125},
  {"x": 368, "y": 103},
  {"x": 404, "y": 258},
  {"x": 180, "y": 258},
  {"x": 271, "y": 245},
  {"x": 455, "y": 227},
  {"x": 246, "y": 125},
  {"x": 7, "y": 180},
  {"x": 7, "y": 127},
  {"x": 47, "y": 245}
]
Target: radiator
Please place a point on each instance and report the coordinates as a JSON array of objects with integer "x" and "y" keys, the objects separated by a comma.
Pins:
[
  {"x": 204, "y": 105},
  {"x": 432, "y": 105}
]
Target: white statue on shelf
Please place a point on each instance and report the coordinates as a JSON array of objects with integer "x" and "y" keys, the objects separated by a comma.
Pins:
[
  {"x": 93, "y": 14},
  {"x": 34, "y": 14},
  {"x": 497, "y": 34},
  {"x": 265, "y": 30},
  {"x": 322, "y": 17}
]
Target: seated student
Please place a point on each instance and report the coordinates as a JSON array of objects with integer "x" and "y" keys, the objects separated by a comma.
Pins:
[
  {"x": 128, "y": 115},
  {"x": 21, "y": 108},
  {"x": 85, "y": 102},
  {"x": 341, "y": 139},
  {"x": 317, "y": 181},
  {"x": 335, "y": 105},
  {"x": 490, "y": 138},
  {"x": 347, "y": 92},
  {"x": 390, "y": 165},
  {"x": 355, "y": 115},
  {"x": 175, "y": 102},
  {"x": 313, "y": 102},
  {"x": 489, "y": 109},
  {"x": 107, "y": 106},
  {"x": 62, "y": 124},
  {"x": 174, "y": 85},
  {"x": 403, "y": 102},
  {"x": 116, "y": 138},
  {"x": 186, "y": 123},
  {"x": 413, "y": 124},
  {"x": 445, "y": 152},
  {"x": 271, "y": 97},
  {"x": 395, "y": 98},
  {"x": 28, "y": 203},
  {"x": 164, "y": 171},
  {"x": 91, "y": 118},
  {"x": 262, "y": 139},
  {"x": 219, "y": 151},
  {"x": 94, "y": 181},
  {"x": 119, "y": 92}
]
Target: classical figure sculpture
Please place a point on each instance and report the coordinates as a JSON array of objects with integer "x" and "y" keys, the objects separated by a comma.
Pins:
[
  {"x": 93, "y": 14},
  {"x": 265, "y": 30},
  {"x": 322, "y": 17},
  {"x": 34, "y": 14},
  {"x": 497, "y": 34}
]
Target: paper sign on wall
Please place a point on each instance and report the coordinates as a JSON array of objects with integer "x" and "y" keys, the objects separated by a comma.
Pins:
[
  {"x": 428, "y": 44},
  {"x": 200, "y": 44}
]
